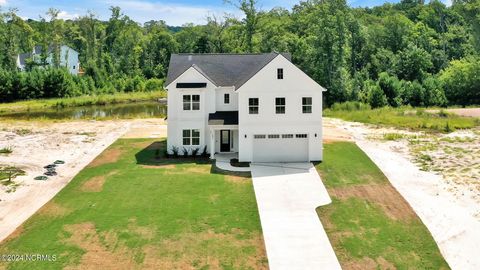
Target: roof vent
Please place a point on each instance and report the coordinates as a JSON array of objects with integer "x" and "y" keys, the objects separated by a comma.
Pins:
[{"x": 189, "y": 58}]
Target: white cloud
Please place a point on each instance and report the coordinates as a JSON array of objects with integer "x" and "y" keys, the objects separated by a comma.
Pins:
[
  {"x": 3, "y": 2},
  {"x": 173, "y": 14},
  {"x": 66, "y": 16}
]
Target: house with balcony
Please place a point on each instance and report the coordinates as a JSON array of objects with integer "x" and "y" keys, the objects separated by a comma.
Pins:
[{"x": 259, "y": 106}]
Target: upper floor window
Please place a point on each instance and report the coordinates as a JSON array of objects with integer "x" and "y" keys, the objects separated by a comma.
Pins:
[
  {"x": 280, "y": 105},
  {"x": 191, "y": 136},
  {"x": 191, "y": 102},
  {"x": 307, "y": 105},
  {"x": 253, "y": 105},
  {"x": 280, "y": 73},
  {"x": 226, "y": 98}
]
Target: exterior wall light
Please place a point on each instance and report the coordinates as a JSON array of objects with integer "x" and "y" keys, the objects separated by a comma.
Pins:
[
  {"x": 245, "y": 136},
  {"x": 315, "y": 135}
]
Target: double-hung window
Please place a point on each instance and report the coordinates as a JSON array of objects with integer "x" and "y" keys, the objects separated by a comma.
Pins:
[
  {"x": 307, "y": 105},
  {"x": 253, "y": 105},
  {"x": 280, "y": 73},
  {"x": 191, "y": 102},
  {"x": 191, "y": 137},
  {"x": 226, "y": 98},
  {"x": 280, "y": 105}
]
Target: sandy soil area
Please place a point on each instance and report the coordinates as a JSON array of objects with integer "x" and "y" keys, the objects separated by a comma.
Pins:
[
  {"x": 469, "y": 112},
  {"x": 437, "y": 174},
  {"x": 36, "y": 144}
]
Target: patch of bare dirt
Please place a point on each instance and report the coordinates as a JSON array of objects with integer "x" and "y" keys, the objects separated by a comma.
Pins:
[
  {"x": 203, "y": 169},
  {"x": 237, "y": 179},
  {"x": 334, "y": 133},
  {"x": 53, "y": 209},
  {"x": 111, "y": 155},
  {"x": 18, "y": 231},
  {"x": 383, "y": 195},
  {"x": 197, "y": 250},
  {"x": 160, "y": 166},
  {"x": 101, "y": 251},
  {"x": 367, "y": 263},
  {"x": 95, "y": 184}
]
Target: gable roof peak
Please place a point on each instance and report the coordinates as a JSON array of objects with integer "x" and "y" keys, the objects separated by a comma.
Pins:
[{"x": 223, "y": 69}]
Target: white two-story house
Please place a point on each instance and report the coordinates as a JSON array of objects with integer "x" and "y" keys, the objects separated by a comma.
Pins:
[
  {"x": 260, "y": 106},
  {"x": 68, "y": 58}
]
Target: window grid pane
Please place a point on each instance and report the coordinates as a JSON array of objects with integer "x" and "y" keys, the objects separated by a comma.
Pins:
[
  {"x": 226, "y": 99},
  {"x": 280, "y": 105},
  {"x": 280, "y": 73},
  {"x": 253, "y": 105},
  {"x": 307, "y": 109}
]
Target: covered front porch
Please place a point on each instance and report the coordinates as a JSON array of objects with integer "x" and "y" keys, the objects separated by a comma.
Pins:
[{"x": 223, "y": 131}]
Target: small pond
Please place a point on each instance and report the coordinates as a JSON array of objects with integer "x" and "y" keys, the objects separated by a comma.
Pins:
[{"x": 150, "y": 109}]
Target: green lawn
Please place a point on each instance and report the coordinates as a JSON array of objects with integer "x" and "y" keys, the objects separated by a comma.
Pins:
[
  {"x": 130, "y": 211},
  {"x": 369, "y": 223},
  {"x": 405, "y": 117}
]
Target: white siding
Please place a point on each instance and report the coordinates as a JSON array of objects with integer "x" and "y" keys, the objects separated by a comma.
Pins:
[
  {"x": 219, "y": 97},
  {"x": 178, "y": 119},
  {"x": 266, "y": 87}
]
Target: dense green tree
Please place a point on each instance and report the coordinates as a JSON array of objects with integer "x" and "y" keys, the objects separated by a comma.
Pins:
[
  {"x": 461, "y": 81},
  {"x": 411, "y": 52}
]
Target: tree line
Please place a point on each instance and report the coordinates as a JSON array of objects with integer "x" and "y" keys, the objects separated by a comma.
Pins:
[{"x": 409, "y": 53}]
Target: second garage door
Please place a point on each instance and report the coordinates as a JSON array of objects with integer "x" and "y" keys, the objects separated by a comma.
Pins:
[{"x": 280, "y": 148}]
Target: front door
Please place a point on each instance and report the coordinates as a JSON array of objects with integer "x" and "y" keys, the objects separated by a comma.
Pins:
[{"x": 224, "y": 140}]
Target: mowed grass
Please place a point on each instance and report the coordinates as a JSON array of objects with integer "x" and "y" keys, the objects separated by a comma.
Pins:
[
  {"x": 127, "y": 210},
  {"x": 369, "y": 223},
  {"x": 406, "y": 117}
]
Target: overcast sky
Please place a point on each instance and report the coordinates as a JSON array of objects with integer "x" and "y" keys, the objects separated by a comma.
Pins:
[{"x": 174, "y": 12}]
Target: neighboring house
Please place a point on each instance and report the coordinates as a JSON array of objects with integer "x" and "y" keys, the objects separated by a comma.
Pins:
[
  {"x": 68, "y": 58},
  {"x": 259, "y": 105}
]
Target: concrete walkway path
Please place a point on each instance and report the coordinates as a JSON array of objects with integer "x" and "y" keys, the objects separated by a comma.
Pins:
[
  {"x": 222, "y": 161},
  {"x": 287, "y": 196}
]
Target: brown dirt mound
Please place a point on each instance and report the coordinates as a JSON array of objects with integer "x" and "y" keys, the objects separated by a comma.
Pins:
[
  {"x": 95, "y": 184},
  {"x": 111, "y": 155},
  {"x": 383, "y": 195}
]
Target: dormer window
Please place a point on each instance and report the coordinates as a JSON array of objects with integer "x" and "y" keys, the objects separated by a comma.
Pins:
[
  {"x": 280, "y": 73},
  {"x": 226, "y": 98}
]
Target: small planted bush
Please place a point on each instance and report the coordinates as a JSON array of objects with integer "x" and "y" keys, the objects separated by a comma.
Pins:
[
  {"x": 203, "y": 152},
  {"x": 195, "y": 151},
  {"x": 6, "y": 150},
  {"x": 175, "y": 151}
]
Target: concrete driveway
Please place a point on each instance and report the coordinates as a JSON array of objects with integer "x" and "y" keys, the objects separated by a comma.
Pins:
[{"x": 287, "y": 196}]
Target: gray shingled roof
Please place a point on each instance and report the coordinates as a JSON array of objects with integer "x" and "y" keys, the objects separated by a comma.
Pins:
[{"x": 221, "y": 69}]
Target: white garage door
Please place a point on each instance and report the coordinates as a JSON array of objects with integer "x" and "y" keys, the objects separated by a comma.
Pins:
[{"x": 280, "y": 148}]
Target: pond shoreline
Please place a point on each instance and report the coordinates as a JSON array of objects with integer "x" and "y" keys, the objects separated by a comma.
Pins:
[
  {"x": 124, "y": 110},
  {"x": 87, "y": 100}
]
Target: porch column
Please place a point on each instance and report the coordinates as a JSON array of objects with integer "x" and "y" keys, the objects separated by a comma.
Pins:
[{"x": 212, "y": 143}]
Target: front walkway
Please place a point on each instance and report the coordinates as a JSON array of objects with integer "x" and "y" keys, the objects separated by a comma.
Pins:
[
  {"x": 222, "y": 161},
  {"x": 287, "y": 196}
]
